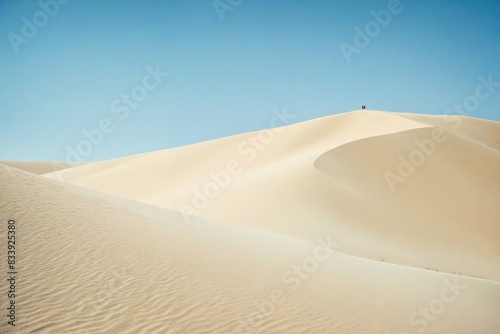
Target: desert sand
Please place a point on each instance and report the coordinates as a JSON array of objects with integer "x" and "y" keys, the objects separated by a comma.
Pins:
[{"x": 362, "y": 222}]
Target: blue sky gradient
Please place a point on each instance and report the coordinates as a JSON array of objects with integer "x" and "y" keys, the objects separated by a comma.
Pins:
[{"x": 228, "y": 71}]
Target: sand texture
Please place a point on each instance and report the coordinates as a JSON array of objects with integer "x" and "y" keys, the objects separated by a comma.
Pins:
[{"x": 363, "y": 222}]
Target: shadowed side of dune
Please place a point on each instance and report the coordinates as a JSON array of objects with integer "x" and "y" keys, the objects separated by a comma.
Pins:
[
  {"x": 483, "y": 131},
  {"x": 281, "y": 191},
  {"x": 431, "y": 193}
]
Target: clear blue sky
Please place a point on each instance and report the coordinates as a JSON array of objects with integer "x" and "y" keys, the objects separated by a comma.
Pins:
[{"x": 226, "y": 76}]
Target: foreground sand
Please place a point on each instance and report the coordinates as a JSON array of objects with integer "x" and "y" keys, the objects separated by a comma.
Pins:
[{"x": 297, "y": 232}]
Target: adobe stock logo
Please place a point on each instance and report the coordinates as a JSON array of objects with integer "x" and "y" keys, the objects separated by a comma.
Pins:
[
  {"x": 122, "y": 107},
  {"x": 247, "y": 150},
  {"x": 223, "y": 6},
  {"x": 363, "y": 37},
  {"x": 427, "y": 147},
  {"x": 294, "y": 276},
  {"x": 429, "y": 313},
  {"x": 48, "y": 9}
]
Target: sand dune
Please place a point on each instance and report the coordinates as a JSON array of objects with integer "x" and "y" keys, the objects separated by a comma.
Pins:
[
  {"x": 39, "y": 168},
  {"x": 328, "y": 176},
  {"x": 308, "y": 228}
]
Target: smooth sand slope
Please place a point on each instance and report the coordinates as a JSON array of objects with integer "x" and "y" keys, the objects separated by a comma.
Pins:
[
  {"x": 329, "y": 176},
  {"x": 300, "y": 233}
]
